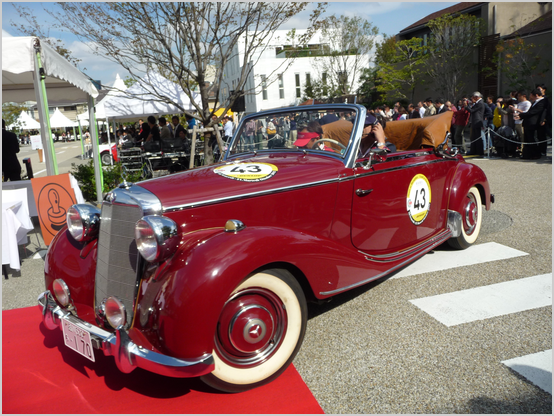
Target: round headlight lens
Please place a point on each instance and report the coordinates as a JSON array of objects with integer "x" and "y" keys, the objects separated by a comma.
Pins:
[
  {"x": 157, "y": 237},
  {"x": 147, "y": 244},
  {"x": 61, "y": 291},
  {"x": 115, "y": 312},
  {"x": 83, "y": 221},
  {"x": 75, "y": 223}
]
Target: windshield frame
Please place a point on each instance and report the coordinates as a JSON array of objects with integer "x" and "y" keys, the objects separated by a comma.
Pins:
[{"x": 348, "y": 158}]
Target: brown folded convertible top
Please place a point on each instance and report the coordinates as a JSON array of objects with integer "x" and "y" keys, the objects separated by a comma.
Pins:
[{"x": 416, "y": 133}]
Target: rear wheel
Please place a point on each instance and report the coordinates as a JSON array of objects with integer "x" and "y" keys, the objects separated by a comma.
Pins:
[
  {"x": 472, "y": 214},
  {"x": 260, "y": 330},
  {"x": 106, "y": 158}
]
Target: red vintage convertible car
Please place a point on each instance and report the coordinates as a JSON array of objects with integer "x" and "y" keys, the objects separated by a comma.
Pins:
[{"x": 208, "y": 272}]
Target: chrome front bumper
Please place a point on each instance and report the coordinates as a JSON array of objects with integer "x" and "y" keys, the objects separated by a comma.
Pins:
[{"x": 126, "y": 353}]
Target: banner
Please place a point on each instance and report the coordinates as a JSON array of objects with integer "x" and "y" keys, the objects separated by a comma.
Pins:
[{"x": 53, "y": 197}]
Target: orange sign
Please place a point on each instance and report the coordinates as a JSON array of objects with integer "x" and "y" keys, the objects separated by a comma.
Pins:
[{"x": 53, "y": 196}]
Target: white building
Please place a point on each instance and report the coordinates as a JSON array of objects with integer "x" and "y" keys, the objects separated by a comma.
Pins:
[{"x": 284, "y": 80}]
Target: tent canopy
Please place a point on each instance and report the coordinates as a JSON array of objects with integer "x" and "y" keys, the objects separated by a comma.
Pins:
[
  {"x": 63, "y": 81},
  {"x": 115, "y": 90},
  {"x": 140, "y": 102},
  {"x": 25, "y": 122},
  {"x": 58, "y": 120}
]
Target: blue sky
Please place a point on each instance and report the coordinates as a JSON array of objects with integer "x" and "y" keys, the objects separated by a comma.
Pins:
[{"x": 389, "y": 17}]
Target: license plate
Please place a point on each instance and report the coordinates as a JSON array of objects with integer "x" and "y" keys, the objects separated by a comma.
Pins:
[{"x": 77, "y": 339}]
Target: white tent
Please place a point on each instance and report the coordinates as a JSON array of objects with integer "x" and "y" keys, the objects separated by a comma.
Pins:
[
  {"x": 114, "y": 90},
  {"x": 64, "y": 82},
  {"x": 33, "y": 71},
  {"x": 140, "y": 102},
  {"x": 58, "y": 120},
  {"x": 25, "y": 122}
]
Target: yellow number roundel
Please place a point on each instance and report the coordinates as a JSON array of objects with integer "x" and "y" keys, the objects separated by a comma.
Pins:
[{"x": 418, "y": 201}]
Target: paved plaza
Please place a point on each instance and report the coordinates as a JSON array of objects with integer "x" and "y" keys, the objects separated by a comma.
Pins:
[{"x": 455, "y": 332}]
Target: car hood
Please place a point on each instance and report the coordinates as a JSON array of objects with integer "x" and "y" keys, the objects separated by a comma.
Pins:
[{"x": 251, "y": 175}]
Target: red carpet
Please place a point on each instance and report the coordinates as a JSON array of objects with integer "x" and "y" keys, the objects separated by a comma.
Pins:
[{"x": 41, "y": 375}]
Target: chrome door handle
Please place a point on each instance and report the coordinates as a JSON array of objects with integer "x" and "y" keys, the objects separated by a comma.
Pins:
[{"x": 363, "y": 192}]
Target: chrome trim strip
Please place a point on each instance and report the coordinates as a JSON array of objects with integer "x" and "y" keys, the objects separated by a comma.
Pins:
[
  {"x": 284, "y": 189},
  {"x": 392, "y": 269},
  {"x": 397, "y": 255},
  {"x": 126, "y": 353},
  {"x": 429, "y": 162},
  {"x": 249, "y": 195}
]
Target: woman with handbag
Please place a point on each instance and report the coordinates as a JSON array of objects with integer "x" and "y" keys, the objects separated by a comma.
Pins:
[{"x": 271, "y": 132}]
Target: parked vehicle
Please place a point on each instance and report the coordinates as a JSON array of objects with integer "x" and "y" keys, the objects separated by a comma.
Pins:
[
  {"x": 208, "y": 272},
  {"x": 104, "y": 150}
]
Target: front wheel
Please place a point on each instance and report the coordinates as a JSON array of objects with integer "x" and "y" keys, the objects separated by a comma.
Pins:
[
  {"x": 260, "y": 330},
  {"x": 472, "y": 215}
]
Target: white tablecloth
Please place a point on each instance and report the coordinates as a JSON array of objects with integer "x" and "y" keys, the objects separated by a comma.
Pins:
[{"x": 11, "y": 226}]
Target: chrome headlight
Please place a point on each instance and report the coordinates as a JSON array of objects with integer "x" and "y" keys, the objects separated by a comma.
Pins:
[
  {"x": 156, "y": 237},
  {"x": 61, "y": 291},
  {"x": 115, "y": 312},
  {"x": 83, "y": 221}
]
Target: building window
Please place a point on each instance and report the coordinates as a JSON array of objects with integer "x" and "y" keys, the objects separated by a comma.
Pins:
[
  {"x": 281, "y": 87},
  {"x": 308, "y": 78},
  {"x": 264, "y": 87},
  {"x": 70, "y": 108},
  {"x": 324, "y": 78},
  {"x": 297, "y": 82}
]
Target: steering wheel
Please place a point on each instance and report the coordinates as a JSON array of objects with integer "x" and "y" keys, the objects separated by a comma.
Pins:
[{"x": 329, "y": 140}]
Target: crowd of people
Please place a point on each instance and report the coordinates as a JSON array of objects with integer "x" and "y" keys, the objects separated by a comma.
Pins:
[{"x": 517, "y": 125}]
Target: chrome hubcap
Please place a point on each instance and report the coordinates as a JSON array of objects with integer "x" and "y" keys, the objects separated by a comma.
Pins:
[
  {"x": 471, "y": 214},
  {"x": 251, "y": 327}
]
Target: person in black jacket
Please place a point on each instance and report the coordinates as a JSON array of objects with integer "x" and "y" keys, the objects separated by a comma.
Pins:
[
  {"x": 10, "y": 163},
  {"x": 546, "y": 123},
  {"x": 476, "y": 117},
  {"x": 532, "y": 120}
]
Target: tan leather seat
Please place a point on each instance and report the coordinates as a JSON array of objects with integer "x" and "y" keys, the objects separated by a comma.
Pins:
[{"x": 419, "y": 132}]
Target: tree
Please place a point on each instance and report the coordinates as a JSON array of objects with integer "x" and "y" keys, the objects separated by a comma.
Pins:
[
  {"x": 347, "y": 43},
  {"x": 401, "y": 65},
  {"x": 367, "y": 91},
  {"x": 34, "y": 28},
  {"x": 523, "y": 64},
  {"x": 182, "y": 41},
  {"x": 453, "y": 42},
  {"x": 11, "y": 112}
]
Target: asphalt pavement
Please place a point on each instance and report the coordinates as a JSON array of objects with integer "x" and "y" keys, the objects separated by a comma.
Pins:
[{"x": 373, "y": 351}]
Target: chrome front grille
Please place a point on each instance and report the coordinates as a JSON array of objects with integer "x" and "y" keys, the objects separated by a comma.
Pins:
[{"x": 117, "y": 267}]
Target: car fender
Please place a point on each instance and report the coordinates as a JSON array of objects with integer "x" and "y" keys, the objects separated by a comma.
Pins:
[
  {"x": 75, "y": 263},
  {"x": 186, "y": 298},
  {"x": 467, "y": 176}
]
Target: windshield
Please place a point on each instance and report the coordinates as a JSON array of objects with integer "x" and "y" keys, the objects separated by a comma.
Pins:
[{"x": 322, "y": 129}]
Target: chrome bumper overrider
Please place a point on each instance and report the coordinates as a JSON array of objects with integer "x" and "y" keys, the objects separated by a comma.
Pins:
[{"x": 126, "y": 353}]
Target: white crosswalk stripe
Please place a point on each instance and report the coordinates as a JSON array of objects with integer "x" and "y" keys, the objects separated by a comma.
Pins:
[
  {"x": 444, "y": 260},
  {"x": 537, "y": 368},
  {"x": 488, "y": 301},
  {"x": 484, "y": 302}
]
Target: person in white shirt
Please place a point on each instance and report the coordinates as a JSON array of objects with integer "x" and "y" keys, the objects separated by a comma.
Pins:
[
  {"x": 522, "y": 107},
  {"x": 421, "y": 109},
  {"x": 228, "y": 127}
]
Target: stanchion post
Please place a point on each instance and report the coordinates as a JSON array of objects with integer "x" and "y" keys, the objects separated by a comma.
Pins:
[{"x": 193, "y": 147}]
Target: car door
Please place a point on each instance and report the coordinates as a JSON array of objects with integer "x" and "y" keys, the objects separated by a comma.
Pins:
[{"x": 400, "y": 202}]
